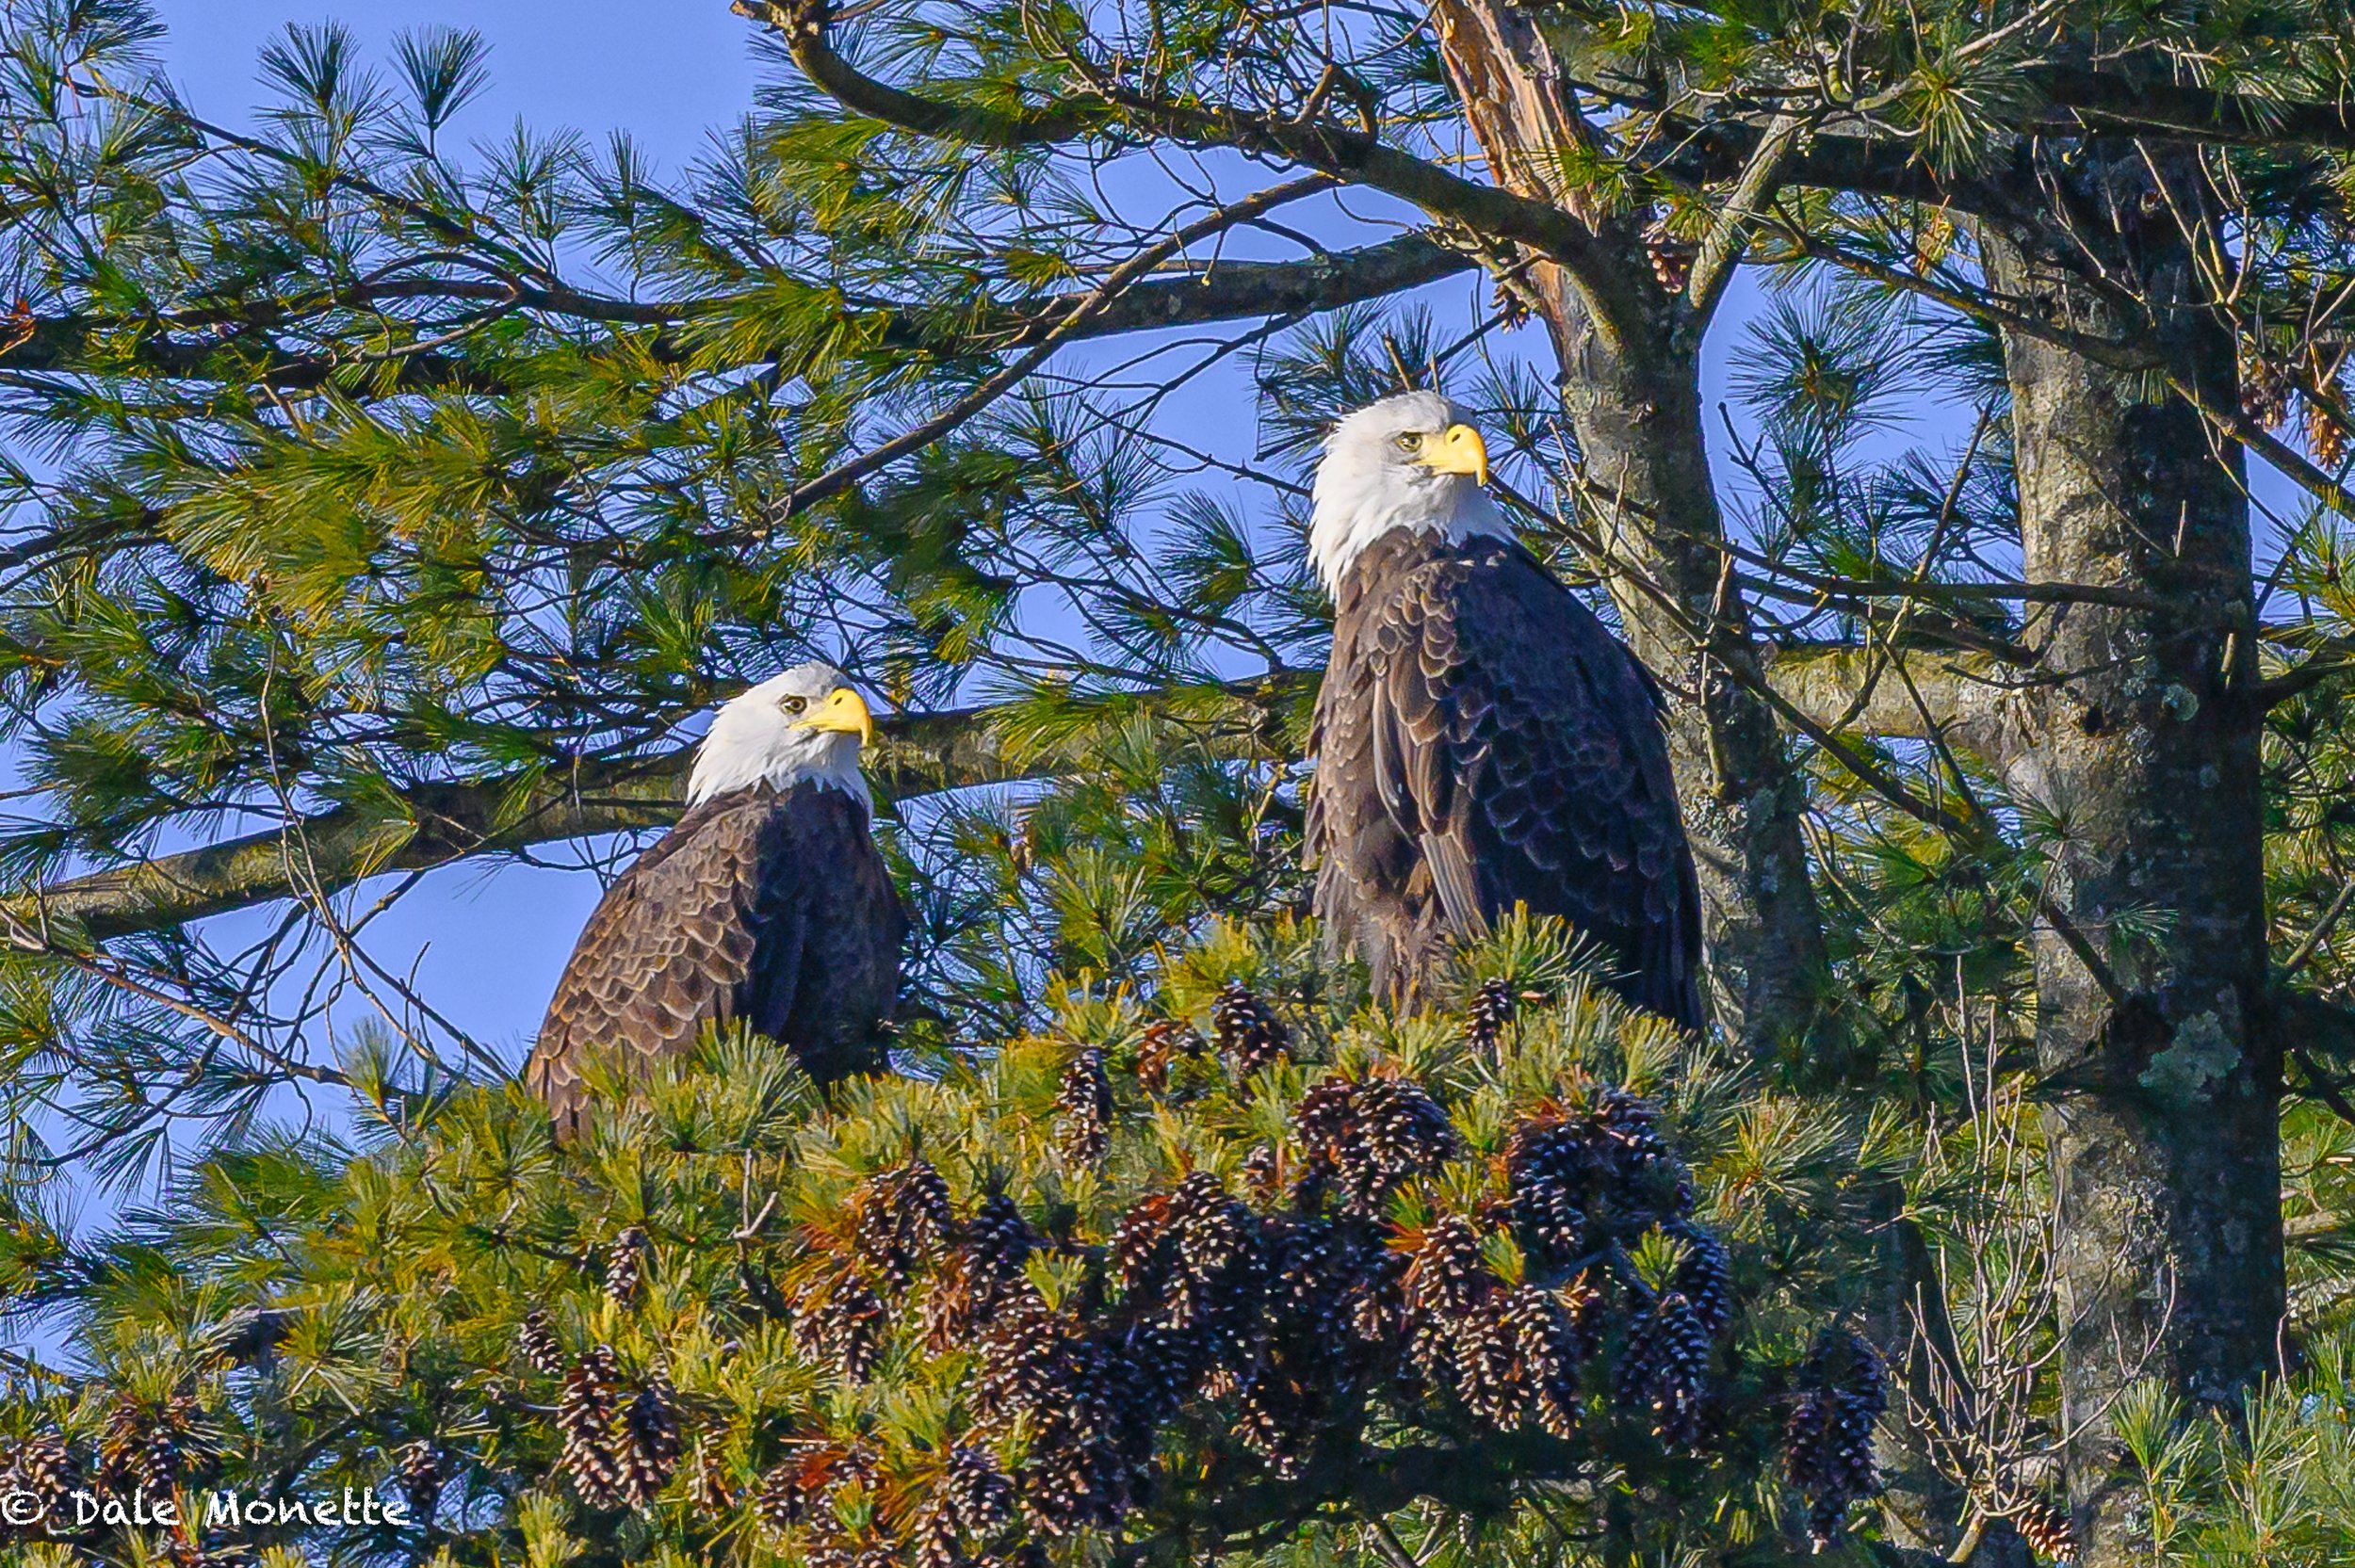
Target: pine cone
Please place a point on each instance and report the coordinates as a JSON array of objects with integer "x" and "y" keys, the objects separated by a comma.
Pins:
[
  {"x": 625, "y": 1264},
  {"x": 1664, "y": 1369},
  {"x": 150, "y": 1450},
  {"x": 810, "y": 1474},
  {"x": 2047, "y": 1530},
  {"x": 783, "y": 1500},
  {"x": 1263, "y": 1173},
  {"x": 975, "y": 1496},
  {"x": 904, "y": 1220},
  {"x": 1031, "y": 1362},
  {"x": 1492, "y": 1009},
  {"x": 1083, "y": 1108},
  {"x": 1671, "y": 258},
  {"x": 1165, "y": 1040},
  {"x": 649, "y": 1445},
  {"x": 2265, "y": 386},
  {"x": 1247, "y": 1033},
  {"x": 2323, "y": 437},
  {"x": 588, "y": 1413},
  {"x": 1491, "y": 1376},
  {"x": 420, "y": 1479},
  {"x": 1546, "y": 1173},
  {"x": 1192, "y": 1264},
  {"x": 1086, "y": 1419},
  {"x": 44, "y": 1469},
  {"x": 1325, "y": 1274},
  {"x": 1512, "y": 305},
  {"x": 1642, "y": 1172},
  {"x": 1828, "y": 1446},
  {"x": 1554, "y": 1337},
  {"x": 1277, "y": 1420},
  {"x": 1446, "y": 1276},
  {"x": 1704, "y": 1274},
  {"x": 842, "y": 1324},
  {"x": 1373, "y": 1133},
  {"x": 985, "y": 1277},
  {"x": 536, "y": 1341},
  {"x": 932, "y": 1540}
]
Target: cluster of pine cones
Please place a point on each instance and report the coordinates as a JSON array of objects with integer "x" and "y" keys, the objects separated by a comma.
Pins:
[
  {"x": 2268, "y": 385},
  {"x": 1829, "y": 1448},
  {"x": 1290, "y": 1310},
  {"x": 150, "y": 1447},
  {"x": 1337, "y": 1273},
  {"x": 621, "y": 1443}
]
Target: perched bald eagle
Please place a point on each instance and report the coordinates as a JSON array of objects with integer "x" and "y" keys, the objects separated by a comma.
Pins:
[
  {"x": 1481, "y": 740},
  {"x": 768, "y": 903}
]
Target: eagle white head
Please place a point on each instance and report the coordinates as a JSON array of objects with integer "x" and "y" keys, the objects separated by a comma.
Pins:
[
  {"x": 1410, "y": 461},
  {"x": 807, "y": 725}
]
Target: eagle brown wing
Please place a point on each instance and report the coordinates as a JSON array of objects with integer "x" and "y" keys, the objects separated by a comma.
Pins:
[
  {"x": 1490, "y": 743},
  {"x": 773, "y": 909}
]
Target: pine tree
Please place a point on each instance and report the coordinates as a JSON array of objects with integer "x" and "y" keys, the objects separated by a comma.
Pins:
[{"x": 376, "y": 507}]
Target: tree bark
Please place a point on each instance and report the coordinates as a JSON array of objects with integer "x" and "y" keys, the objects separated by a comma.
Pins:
[
  {"x": 2141, "y": 744},
  {"x": 1629, "y": 350}
]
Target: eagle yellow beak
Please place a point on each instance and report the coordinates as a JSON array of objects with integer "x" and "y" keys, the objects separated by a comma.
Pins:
[
  {"x": 1457, "y": 450},
  {"x": 843, "y": 712}
]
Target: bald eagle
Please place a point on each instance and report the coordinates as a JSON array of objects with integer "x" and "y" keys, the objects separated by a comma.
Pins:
[
  {"x": 768, "y": 903},
  {"x": 1480, "y": 740}
]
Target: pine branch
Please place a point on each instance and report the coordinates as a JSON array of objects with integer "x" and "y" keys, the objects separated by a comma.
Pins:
[
  {"x": 917, "y": 754},
  {"x": 1229, "y": 291},
  {"x": 1083, "y": 308},
  {"x": 437, "y": 824},
  {"x": 1342, "y": 153},
  {"x": 803, "y": 22},
  {"x": 1702, "y": 153}
]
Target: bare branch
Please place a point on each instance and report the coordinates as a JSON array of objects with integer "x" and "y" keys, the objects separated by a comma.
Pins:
[{"x": 1960, "y": 694}]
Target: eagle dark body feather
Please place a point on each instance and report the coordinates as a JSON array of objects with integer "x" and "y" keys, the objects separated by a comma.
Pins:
[
  {"x": 1482, "y": 740},
  {"x": 772, "y": 908}
]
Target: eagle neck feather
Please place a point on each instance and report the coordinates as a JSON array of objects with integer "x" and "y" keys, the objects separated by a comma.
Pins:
[
  {"x": 831, "y": 764},
  {"x": 1355, "y": 510}
]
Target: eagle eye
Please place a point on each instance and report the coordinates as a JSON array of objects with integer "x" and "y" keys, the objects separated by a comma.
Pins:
[
  {"x": 794, "y": 704},
  {"x": 1409, "y": 440}
]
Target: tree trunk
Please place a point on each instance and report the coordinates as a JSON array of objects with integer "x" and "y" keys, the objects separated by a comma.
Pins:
[
  {"x": 1629, "y": 350},
  {"x": 2142, "y": 747}
]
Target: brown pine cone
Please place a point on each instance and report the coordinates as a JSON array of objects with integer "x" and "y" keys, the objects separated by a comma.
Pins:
[
  {"x": 1492, "y": 1008},
  {"x": 2047, "y": 1530},
  {"x": 904, "y": 1220},
  {"x": 536, "y": 1340},
  {"x": 588, "y": 1418},
  {"x": 420, "y": 1479},
  {"x": 1247, "y": 1031},
  {"x": 625, "y": 1264},
  {"x": 1165, "y": 1040},
  {"x": 1083, "y": 1108}
]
